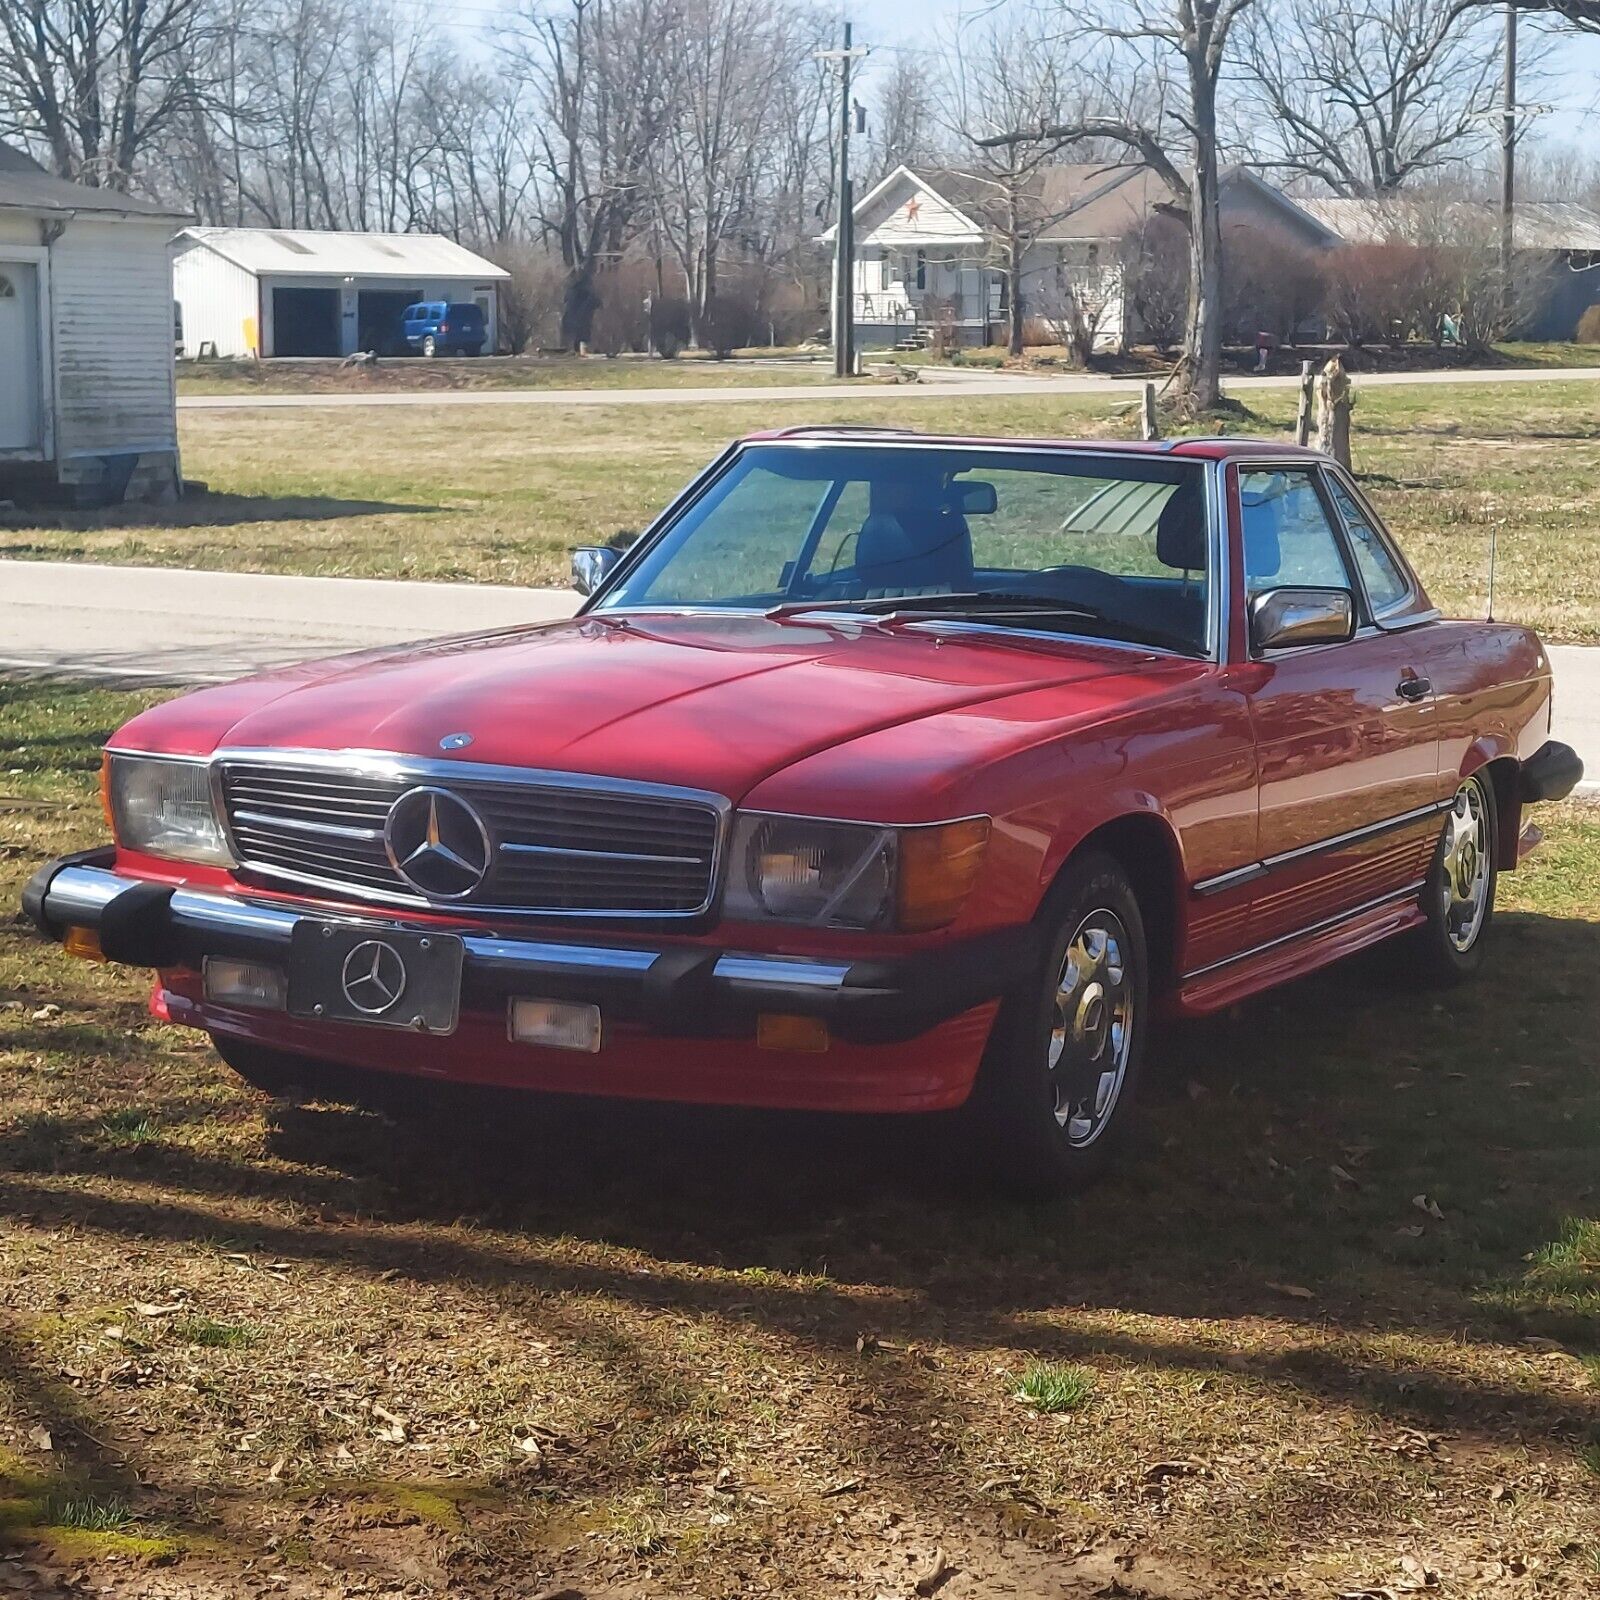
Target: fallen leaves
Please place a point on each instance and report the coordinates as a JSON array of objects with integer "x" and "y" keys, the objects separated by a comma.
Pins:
[
  {"x": 1292, "y": 1291},
  {"x": 1423, "y": 1203}
]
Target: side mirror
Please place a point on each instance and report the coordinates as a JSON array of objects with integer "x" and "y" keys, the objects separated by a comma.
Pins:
[
  {"x": 591, "y": 566},
  {"x": 1280, "y": 618}
]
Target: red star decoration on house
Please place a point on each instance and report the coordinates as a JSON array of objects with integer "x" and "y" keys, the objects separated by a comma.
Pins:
[{"x": 913, "y": 209}]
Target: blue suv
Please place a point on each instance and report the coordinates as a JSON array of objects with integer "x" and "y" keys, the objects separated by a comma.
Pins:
[{"x": 440, "y": 328}]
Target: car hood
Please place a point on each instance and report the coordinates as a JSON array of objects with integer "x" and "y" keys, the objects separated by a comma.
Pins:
[{"x": 710, "y": 702}]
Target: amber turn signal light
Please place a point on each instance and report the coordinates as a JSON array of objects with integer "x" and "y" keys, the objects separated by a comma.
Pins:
[
  {"x": 777, "y": 1030},
  {"x": 83, "y": 943},
  {"x": 938, "y": 867}
]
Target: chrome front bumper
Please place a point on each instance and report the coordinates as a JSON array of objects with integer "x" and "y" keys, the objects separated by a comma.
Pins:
[{"x": 678, "y": 988}]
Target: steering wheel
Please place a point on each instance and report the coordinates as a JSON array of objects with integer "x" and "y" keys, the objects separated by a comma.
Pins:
[{"x": 1102, "y": 590}]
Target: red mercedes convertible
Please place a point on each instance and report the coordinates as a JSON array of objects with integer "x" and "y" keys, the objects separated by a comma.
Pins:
[{"x": 884, "y": 772}]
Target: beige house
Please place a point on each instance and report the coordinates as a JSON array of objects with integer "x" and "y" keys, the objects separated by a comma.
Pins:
[{"x": 931, "y": 246}]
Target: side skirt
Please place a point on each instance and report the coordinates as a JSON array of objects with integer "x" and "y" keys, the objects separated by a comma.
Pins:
[{"x": 1294, "y": 955}]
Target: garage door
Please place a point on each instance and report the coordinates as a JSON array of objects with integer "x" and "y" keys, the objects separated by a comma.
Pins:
[
  {"x": 20, "y": 418},
  {"x": 305, "y": 322}
]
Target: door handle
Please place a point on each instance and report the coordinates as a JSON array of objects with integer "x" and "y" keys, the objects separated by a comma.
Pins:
[{"x": 1414, "y": 688}]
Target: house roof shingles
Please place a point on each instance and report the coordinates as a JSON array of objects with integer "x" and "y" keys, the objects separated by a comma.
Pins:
[
  {"x": 26, "y": 186},
  {"x": 1539, "y": 224}
]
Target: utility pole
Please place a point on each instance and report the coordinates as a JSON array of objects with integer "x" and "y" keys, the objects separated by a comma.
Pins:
[
  {"x": 844, "y": 242},
  {"x": 1508, "y": 157}
]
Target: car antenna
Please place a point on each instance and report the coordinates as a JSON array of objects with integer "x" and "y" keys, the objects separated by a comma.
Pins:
[{"x": 1494, "y": 549}]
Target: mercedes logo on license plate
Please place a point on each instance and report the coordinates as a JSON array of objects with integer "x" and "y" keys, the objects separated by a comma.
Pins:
[{"x": 373, "y": 977}]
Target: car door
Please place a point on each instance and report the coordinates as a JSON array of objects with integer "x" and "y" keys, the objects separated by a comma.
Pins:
[{"x": 1346, "y": 737}]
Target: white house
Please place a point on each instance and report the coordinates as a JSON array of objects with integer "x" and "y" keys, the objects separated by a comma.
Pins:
[
  {"x": 932, "y": 244},
  {"x": 86, "y": 386},
  {"x": 282, "y": 292}
]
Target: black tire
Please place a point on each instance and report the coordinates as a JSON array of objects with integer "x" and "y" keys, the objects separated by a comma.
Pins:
[
  {"x": 1449, "y": 946},
  {"x": 1050, "y": 1108}
]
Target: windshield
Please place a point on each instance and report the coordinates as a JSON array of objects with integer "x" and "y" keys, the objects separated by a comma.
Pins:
[{"x": 1114, "y": 546}]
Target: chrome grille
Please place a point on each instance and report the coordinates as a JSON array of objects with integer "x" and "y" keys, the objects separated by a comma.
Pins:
[{"x": 558, "y": 846}]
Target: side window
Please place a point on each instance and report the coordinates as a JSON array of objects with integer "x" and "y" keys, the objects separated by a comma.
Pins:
[
  {"x": 1287, "y": 536},
  {"x": 1380, "y": 571}
]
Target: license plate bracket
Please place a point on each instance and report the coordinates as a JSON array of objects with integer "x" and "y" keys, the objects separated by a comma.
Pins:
[{"x": 382, "y": 977}]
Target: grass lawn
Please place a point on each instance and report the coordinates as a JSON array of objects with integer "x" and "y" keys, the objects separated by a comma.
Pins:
[
  {"x": 1334, "y": 1329},
  {"x": 490, "y": 372},
  {"x": 500, "y": 494}
]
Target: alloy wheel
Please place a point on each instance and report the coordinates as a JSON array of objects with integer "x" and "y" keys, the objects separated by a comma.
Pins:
[
  {"x": 1468, "y": 855},
  {"x": 1091, "y": 1032}
]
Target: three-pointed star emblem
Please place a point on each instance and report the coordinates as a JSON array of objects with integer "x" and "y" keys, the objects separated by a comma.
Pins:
[
  {"x": 373, "y": 976},
  {"x": 438, "y": 843}
]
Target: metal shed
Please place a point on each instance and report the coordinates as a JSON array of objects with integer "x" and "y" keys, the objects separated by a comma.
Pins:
[
  {"x": 86, "y": 385},
  {"x": 301, "y": 292}
]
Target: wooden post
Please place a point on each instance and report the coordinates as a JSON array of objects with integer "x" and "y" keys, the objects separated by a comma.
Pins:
[
  {"x": 1302, "y": 420},
  {"x": 1149, "y": 427},
  {"x": 1333, "y": 412}
]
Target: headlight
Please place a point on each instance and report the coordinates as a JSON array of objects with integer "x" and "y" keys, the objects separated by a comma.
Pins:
[
  {"x": 165, "y": 808},
  {"x": 851, "y": 874}
]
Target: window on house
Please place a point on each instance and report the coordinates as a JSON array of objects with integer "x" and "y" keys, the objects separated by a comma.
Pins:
[
  {"x": 922, "y": 269},
  {"x": 8, "y": 290}
]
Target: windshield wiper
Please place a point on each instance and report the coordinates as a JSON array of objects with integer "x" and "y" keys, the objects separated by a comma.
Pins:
[
  {"x": 993, "y": 604},
  {"x": 942, "y": 604}
]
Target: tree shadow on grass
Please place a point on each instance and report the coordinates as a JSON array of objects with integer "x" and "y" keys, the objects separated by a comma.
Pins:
[{"x": 1288, "y": 1145}]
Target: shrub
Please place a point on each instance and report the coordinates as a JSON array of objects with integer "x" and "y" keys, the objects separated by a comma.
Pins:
[
  {"x": 1589, "y": 326},
  {"x": 1269, "y": 283},
  {"x": 1156, "y": 258},
  {"x": 729, "y": 322}
]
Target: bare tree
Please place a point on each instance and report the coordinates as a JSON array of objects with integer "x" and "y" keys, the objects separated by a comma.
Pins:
[
  {"x": 96, "y": 82},
  {"x": 903, "y": 129},
  {"x": 597, "y": 71},
  {"x": 1366, "y": 95},
  {"x": 1009, "y": 74},
  {"x": 725, "y": 59},
  {"x": 1182, "y": 147}
]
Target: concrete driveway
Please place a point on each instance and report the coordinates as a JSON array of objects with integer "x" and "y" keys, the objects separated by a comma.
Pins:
[
  {"x": 165, "y": 625},
  {"x": 936, "y": 386}
]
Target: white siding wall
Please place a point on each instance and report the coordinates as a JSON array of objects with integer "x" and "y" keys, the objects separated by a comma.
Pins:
[
  {"x": 218, "y": 300},
  {"x": 111, "y": 300}
]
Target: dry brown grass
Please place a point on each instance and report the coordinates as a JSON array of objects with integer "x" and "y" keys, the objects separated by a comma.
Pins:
[{"x": 630, "y": 1352}]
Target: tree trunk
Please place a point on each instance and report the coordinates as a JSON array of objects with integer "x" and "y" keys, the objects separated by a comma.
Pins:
[
  {"x": 1013, "y": 273},
  {"x": 1202, "y": 344},
  {"x": 1333, "y": 412},
  {"x": 579, "y": 302}
]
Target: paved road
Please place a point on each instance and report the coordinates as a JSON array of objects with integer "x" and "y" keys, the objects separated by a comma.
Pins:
[
  {"x": 165, "y": 625},
  {"x": 940, "y": 386}
]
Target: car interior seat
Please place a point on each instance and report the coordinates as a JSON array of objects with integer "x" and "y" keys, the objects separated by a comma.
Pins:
[{"x": 912, "y": 540}]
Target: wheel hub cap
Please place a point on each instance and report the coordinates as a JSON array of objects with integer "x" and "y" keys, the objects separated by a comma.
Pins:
[
  {"x": 1091, "y": 1036},
  {"x": 1466, "y": 866}
]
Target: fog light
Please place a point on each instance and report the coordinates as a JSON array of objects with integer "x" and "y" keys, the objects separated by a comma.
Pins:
[
  {"x": 776, "y": 1030},
  {"x": 556, "y": 1024},
  {"x": 243, "y": 983},
  {"x": 84, "y": 943}
]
